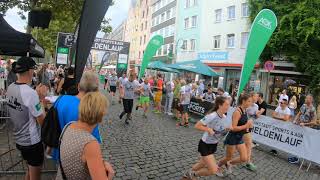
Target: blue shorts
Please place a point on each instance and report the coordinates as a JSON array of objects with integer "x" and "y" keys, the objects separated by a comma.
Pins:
[{"x": 234, "y": 139}]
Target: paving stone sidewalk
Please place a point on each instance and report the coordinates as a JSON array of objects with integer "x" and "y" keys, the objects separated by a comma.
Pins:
[{"x": 154, "y": 148}]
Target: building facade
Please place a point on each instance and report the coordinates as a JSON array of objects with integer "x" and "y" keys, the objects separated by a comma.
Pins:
[
  {"x": 163, "y": 22},
  {"x": 216, "y": 32},
  {"x": 118, "y": 33}
]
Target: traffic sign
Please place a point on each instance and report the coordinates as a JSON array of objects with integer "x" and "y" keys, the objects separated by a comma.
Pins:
[{"x": 269, "y": 66}]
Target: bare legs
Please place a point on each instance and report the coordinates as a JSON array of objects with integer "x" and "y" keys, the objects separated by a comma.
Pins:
[{"x": 206, "y": 166}]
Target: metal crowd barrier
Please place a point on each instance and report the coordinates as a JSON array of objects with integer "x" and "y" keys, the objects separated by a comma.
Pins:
[{"x": 12, "y": 165}]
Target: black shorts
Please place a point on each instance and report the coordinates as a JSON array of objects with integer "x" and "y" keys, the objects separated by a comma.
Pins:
[
  {"x": 127, "y": 105},
  {"x": 185, "y": 108},
  {"x": 113, "y": 89},
  {"x": 206, "y": 149},
  {"x": 234, "y": 139},
  {"x": 33, "y": 154},
  {"x": 105, "y": 81}
]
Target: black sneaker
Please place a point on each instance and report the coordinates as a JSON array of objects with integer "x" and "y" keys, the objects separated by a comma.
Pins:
[
  {"x": 127, "y": 122},
  {"x": 274, "y": 152},
  {"x": 137, "y": 107},
  {"x": 121, "y": 115}
]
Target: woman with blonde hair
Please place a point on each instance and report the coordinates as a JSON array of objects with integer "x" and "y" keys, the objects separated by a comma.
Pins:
[
  {"x": 80, "y": 153},
  {"x": 293, "y": 105}
]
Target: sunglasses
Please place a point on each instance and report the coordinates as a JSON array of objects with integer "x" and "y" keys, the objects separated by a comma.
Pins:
[{"x": 283, "y": 103}]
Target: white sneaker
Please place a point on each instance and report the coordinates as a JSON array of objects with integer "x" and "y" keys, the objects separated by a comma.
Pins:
[
  {"x": 229, "y": 168},
  {"x": 219, "y": 173}
]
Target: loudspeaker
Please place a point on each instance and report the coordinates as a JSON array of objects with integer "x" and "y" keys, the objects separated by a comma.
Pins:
[{"x": 39, "y": 18}]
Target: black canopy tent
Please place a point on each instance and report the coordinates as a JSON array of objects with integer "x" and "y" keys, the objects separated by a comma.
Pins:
[{"x": 15, "y": 43}]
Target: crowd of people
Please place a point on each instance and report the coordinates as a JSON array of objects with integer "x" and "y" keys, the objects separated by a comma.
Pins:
[{"x": 81, "y": 107}]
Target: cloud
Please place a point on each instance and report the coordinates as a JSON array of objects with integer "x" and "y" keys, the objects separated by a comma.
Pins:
[
  {"x": 15, "y": 21},
  {"x": 118, "y": 12}
]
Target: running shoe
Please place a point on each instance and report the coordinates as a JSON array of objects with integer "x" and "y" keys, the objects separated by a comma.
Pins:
[
  {"x": 219, "y": 173},
  {"x": 293, "y": 160},
  {"x": 251, "y": 167},
  {"x": 189, "y": 174},
  {"x": 157, "y": 112},
  {"x": 229, "y": 168},
  {"x": 121, "y": 115},
  {"x": 170, "y": 114},
  {"x": 127, "y": 122},
  {"x": 137, "y": 107}
]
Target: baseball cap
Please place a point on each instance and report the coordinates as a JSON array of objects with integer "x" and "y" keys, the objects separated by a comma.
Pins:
[{"x": 23, "y": 64}]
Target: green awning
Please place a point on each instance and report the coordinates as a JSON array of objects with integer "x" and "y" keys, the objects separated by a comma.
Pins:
[
  {"x": 158, "y": 65},
  {"x": 194, "y": 66}
]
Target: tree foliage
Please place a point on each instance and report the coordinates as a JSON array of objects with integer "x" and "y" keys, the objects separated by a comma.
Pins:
[
  {"x": 65, "y": 17},
  {"x": 297, "y": 37}
]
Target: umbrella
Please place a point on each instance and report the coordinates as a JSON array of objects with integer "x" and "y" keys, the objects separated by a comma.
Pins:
[
  {"x": 158, "y": 65},
  {"x": 195, "y": 66}
]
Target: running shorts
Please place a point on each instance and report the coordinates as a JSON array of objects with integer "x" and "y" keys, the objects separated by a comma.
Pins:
[
  {"x": 127, "y": 105},
  {"x": 33, "y": 154},
  {"x": 158, "y": 96},
  {"x": 234, "y": 139},
  {"x": 144, "y": 99},
  {"x": 113, "y": 89},
  {"x": 206, "y": 149}
]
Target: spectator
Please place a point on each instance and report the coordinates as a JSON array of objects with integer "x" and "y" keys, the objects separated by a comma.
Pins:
[
  {"x": 176, "y": 99},
  {"x": 113, "y": 81},
  {"x": 282, "y": 113},
  {"x": 68, "y": 106},
  {"x": 209, "y": 96},
  {"x": 200, "y": 88},
  {"x": 169, "y": 98},
  {"x": 185, "y": 98},
  {"x": 43, "y": 76},
  {"x": 307, "y": 116},
  {"x": 51, "y": 76},
  {"x": 81, "y": 156},
  {"x": 221, "y": 92},
  {"x": 158, "y": 94},
  {"x": 194, "y": 90},
  {"x": 262, "y": 105},
  {"x": 293, "y": 105},
  {"x": 27, "y": 115},
  {"x": 68, "y": 85},
  {"x": 11, "y": 77},
  {"x": 283, "y": 96}
]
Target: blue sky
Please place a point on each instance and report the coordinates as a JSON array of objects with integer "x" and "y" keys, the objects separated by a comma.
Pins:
[{"x": 118, "y": 12}]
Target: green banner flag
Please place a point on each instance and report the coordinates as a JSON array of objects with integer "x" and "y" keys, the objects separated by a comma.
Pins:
[
  {"x": 261, "y": 30},
  {"x": 154, "y": 44}
]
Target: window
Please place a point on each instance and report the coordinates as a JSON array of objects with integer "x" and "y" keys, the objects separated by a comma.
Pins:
[
  {"x": 141, "y": 27},
  {"x": 144, "y": 39},
  {"x": 231, "y": 12},
  {"x": 192, "y": 44},
  {"x": 161, "y": 32},
  {"x": 163, "y": 17},
  {"x": 218, "y": 14},
  {"x": 186, "y": 23},
  {"x": 139, "y": 54},
  {"x": 185, "y": 45},
  {"x": 168, "y": 14},
  {"x": 142, "y": 14},
  {"x": 166, "y": 31},
  {"x": 230, "y": 40},
  {"x": 160, "y": 51},
  {"x": 147, "y": 11},
  {"x": 173, "y": 12},
  {"x": 245, "y": 10},
  {"x": 153, "y": 22},
  {"x": 158, "y": 20},
  {"x": 165, "y": 49},
  {"x": 187, "y": 5},
  {"x": 216, "y": 42},
  {"x": 244, "y": 39},
  {"x": 194, "y": 21},
  {"x": 146, "y": 25},
  {"x": 141, "y": 40},
  {"x": 195, "y": 2}
]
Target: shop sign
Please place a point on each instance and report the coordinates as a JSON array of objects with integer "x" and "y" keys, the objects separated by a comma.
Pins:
[{"x": 213, "y": 55}]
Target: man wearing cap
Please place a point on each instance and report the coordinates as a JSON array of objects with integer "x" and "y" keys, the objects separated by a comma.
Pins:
[{"x": 27, "y": 115}]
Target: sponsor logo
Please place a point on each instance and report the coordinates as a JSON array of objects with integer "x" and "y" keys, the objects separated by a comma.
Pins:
[
  {"x": 196, "y": 108},
  {"x": 265, "y": 23}
]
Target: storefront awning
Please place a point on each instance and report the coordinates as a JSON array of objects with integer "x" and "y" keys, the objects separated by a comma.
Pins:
[
  {"x": 195, "y": 66},
  {"x": 282, "y": 72}
]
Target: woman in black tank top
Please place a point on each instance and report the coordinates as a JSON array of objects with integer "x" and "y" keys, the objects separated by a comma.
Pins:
[{"x": 233, "y": 141}]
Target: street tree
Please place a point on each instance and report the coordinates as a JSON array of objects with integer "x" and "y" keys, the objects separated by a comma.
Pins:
[{"x": 297, "y": 38}]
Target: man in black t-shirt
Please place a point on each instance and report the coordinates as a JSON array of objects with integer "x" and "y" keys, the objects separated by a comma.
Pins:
[{"x": 262, "y": 105}]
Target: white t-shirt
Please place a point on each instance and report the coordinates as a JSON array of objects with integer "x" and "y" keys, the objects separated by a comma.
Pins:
[
  {"x": 283, "y": 112},
  {"x": 252, "y": 110},
  {"x": 24, "y": 107},
  {"x": 186, "y": 92},
  {"x": 215, "y": 122},
  {"x": 282, "y": 96},
  {"x": 123, "y": 80}
]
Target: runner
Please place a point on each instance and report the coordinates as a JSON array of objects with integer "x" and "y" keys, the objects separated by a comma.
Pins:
[
  {"x": 176, "y": 99},
  {"x": 234, "y": 140},
  {"x": 252, "y": 112},
  {"x": 158, "y": 95},
  {"x": 122, "y": 80},
  {"x": 113, "y": 80},
  {"x": 213, "y": 127},
  {"x": 144, "y": 101},
  {"x": 185, "y": 98},
  {"x": 106, "y": 77},
  {"x": 169, "y": 98},
  {"x": 127, "y": 95}
]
